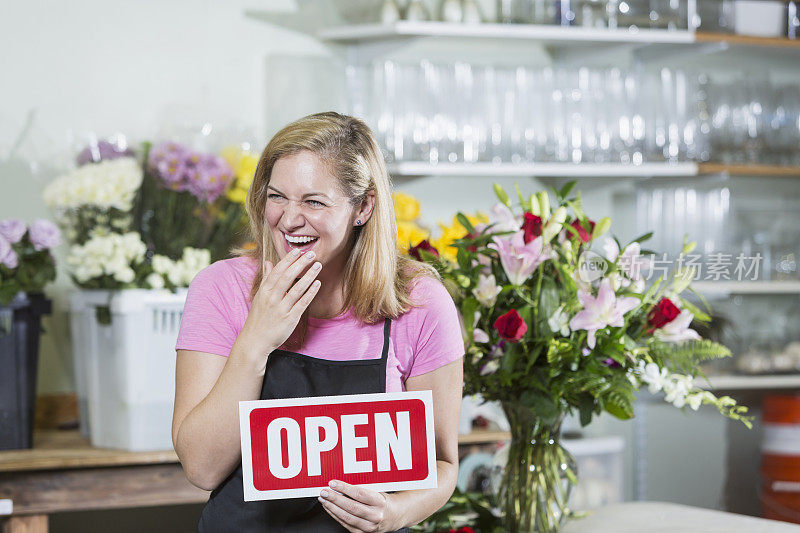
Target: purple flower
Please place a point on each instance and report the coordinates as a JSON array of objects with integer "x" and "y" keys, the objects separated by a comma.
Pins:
[
  {"x": 205, "y": 176},
  {"x": 102, "y": 151},
  {"x": 8, "y": 256},
  {"x": 610, "y": 363},
  {"x": 13, "y": 229},
  {"x": 211, "y": 179},
  {"x": 44, "y": 234}
]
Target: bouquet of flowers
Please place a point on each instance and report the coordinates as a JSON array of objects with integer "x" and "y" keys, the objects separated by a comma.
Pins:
[
  {"x": 553, "y": 327},
  {"x": 131, "y": 228},
  {"x": 26, "y": 263},
  {"x": 193, "y": 199}
]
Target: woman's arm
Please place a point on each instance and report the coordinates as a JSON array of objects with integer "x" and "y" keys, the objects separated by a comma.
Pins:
[
  {"x": 361, "y": 509},
  {"x": 205, "y": 423}
]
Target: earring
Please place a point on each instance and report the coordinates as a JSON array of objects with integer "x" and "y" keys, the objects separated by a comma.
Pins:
[{"x": 358, "y": 222}]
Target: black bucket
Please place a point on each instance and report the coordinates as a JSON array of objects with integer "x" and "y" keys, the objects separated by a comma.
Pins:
[{"x": 20, "y": 328}]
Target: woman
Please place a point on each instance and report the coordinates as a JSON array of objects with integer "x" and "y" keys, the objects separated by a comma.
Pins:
[{"x": 324, "y": 305}]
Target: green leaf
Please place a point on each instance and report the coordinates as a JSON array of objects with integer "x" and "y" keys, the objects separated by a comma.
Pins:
[
  {"x": 586, "y": 408},
  {"x": 641, "y": 238},
  {"x": 501, "y": 195},
  {"x": 548, "y": 300},
  {"x": 566, "y": 189},
  {"x": 526, "y": 205},
  {"x": 542, "y": 405},
  {"x": 464, "y": 221}
]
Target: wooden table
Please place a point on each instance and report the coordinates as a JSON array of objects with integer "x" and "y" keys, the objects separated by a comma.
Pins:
[
  {"x": 661, "y": 517},
  {"x": 62, "y": 472}
]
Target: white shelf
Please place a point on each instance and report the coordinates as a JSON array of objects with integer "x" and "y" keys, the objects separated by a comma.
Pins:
[
  {"x": 533, "y": 32},
  {"x": 747, "y": 287},
  {"x": 723, "y": 383},
  {"x": 556, "y": 170}
]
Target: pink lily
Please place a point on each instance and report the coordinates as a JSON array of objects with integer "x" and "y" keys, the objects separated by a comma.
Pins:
[
  {"x": 601, "y": 311},
  {"x": 520, "y": 260}
]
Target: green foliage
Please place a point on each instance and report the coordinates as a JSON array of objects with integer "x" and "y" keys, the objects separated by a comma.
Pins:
[
  {"x": 35, "y": 269},
  {"x": 473, "y": 509},
  {"x": 684, "y": 357}
]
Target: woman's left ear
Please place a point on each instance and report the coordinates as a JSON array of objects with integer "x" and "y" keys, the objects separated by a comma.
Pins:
[{"x": 366, "y": 209}]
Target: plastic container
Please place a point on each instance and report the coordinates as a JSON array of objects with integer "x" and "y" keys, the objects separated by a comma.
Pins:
[
  {"x": 20, "y": 328},
  {"x": 780, "y": 458},
  {"x": 599, "y": 461},
  {"x": 760, "y": 18},
  {"x": 125, "y": 370}
]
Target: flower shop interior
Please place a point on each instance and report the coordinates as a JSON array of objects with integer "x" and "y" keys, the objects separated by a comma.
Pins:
[{"x": 644, "y": 154}]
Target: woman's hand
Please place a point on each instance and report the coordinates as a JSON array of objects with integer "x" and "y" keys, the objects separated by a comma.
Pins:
[
  {"x": 277, "y": 306},
  {"x": 359, "y": 509}
]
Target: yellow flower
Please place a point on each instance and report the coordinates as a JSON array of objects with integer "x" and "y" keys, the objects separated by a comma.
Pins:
[
  {"x": 236, "y": 195},
  {"x": 455, "y": 231},
  {"x": 242, "y": 163},
  {"x": 406, "y": 207},
  {"x": 409, "y": 234}
]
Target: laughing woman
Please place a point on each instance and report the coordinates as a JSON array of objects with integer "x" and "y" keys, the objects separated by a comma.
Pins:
[{"x": 323, "y": 305}]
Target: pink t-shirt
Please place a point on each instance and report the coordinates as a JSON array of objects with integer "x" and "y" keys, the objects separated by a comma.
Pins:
[{"x": 421, "y": 340}]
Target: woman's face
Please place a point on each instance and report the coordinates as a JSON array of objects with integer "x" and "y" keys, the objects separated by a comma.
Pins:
[{"x": 304, "y": 201}]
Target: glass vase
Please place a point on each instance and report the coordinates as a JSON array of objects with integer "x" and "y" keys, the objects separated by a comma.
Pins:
[{"x": 539, "y": 474}]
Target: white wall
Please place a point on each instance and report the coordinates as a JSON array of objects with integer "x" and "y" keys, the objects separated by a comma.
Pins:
[{"x": 113, "y": 66}]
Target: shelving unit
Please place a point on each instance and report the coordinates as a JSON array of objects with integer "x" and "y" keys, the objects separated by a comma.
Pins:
[
  {"x": 755, "y": 382},
  {"x": 586, "y": 170},
  {"x": 747, "y": 287},
  {"x": 548, "y": 34},
  {"x": 545, "y": 34}
]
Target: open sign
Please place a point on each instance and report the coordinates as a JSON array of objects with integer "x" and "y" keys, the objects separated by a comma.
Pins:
[{"x": 293, "y": 447}]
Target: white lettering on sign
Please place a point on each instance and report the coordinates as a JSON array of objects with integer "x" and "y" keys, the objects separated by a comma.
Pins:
[
  {"x": 389, "y": 442},
  {"x": 314, "y": 446},
  {"x": 292, "y": 444},
  {"x": 399, "y": 441},
  {"x": 350, "y": 443}
]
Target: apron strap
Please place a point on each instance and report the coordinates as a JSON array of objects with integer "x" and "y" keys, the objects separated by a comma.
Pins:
[{"x": 387, "y": 326}]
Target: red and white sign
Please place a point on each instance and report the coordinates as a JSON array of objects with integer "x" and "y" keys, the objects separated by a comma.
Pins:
[{"x": 293, "y": 447}]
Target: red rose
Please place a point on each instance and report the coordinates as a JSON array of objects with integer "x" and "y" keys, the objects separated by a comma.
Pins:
[
  {"x": 466, "y": 529},
  {"x": 469, "y": 236},
  {"x": 424, "y": 245},
  {"x": 510, "y": 326},
  {"x": 664, "y": 312},
  {"x": 532, "y": 225},
  {"x": 584, "y": 235}
]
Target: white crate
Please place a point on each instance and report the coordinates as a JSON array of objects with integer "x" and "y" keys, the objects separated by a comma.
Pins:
[{"x": 125, "y": 371}]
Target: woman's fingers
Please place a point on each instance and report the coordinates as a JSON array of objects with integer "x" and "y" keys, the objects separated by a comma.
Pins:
[
  {"x": 305, "y": 300},
  {"x": 291, "y": 273},
  {"x": 280, "y": 268},
  {"x": 300, "y": 287}
]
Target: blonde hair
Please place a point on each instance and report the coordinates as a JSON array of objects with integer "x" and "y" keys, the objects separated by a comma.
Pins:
[{"x": 377, "y": 278}]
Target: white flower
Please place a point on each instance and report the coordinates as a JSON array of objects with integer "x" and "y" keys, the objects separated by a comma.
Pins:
[
  {"x": 487, "y": 290},
  {"x": 677, "y": 329},
  {"x": 654, "y": 376},
  {"x": 105, "y": 184},
  {"x": 125, "y": 275},
  {"x": 559, "y": 322},
  {"x": 162, "y": 264},
  {"x": 503, "y": 219},
  {"x": 490, "y": 367},
  {"x": 113, "y": 255},
  {"x": 478, "y": 335},
  {"x": 155, "y": 281},
  {"x": 676, "y": 388},
  {"x": 695, "y": 400}
]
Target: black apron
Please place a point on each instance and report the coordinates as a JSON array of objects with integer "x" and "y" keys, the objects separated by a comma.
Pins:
[{"x": 293, "y": 375}]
